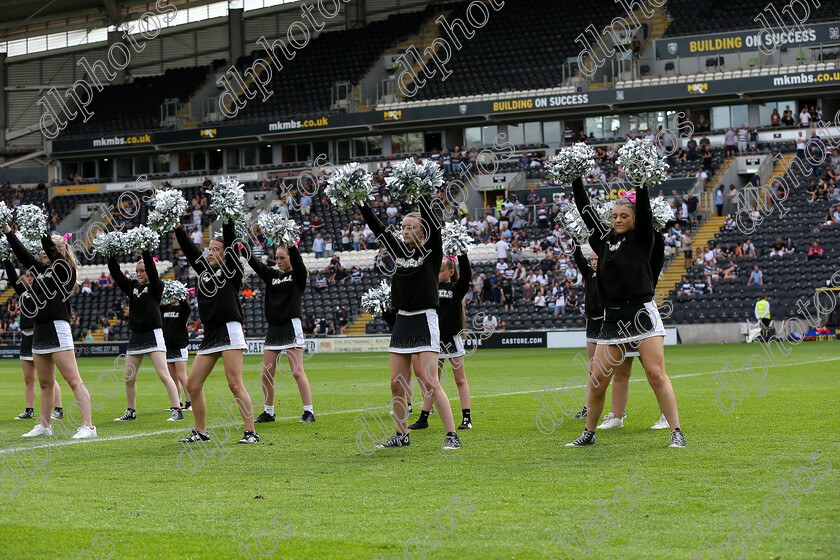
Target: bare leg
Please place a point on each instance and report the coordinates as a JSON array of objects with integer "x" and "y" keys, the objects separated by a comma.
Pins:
[
  {"x": 429, "y": 370},
  {"x": 201, "y": 368},
  {"x": 233, "y": 372},
  {"x": 28, "y": 382},
  {"x": 652, "y": 352},
  {"x": 621, "y": 387},
  {"x": 460, "y": 375},
  {"x": 65, "y": 361},
  {"x": 46, "y": 379},
  {"x": 602, "y": 368},
  {"x": 159, "y": 361},
  {"x": 296, "y": 364},
  {"x": 267, "y": 370},
  {"x": 400, "y": 379},
  {"x": 132, "y": 370},
  {"x": 56, "y": 395},
  {"x": 178, "y": 373}
]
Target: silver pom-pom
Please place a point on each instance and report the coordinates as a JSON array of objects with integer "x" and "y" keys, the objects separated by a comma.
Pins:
[
  {"x": 377, "y": 300},
  {"x": 173, "y": 289},
  {"x": 5, "y": 214},
  {"x": 31, "y": 221},
  {"x": 5, "y": 249},
  {"x": 662, "y": 212},
  {"x": 227, "y": 199},
  {"x": 141, "y": 238},
  {"x": 605, "y": 212},
  {"x": 242, "y": 232},
  {"x": 456, "y": 239},
  {"x": 570, "y": 163},
  {"x": 349, "y": 185},
  {"x": 414, "y": 180},
  {"x": 110, "y": 243},
  {"x": 572, "y": 223},
  {"x": 170, "y": 206},
  {"x": 279, "y": 230},
  {"x": 132, "y": 275},
  {"x": 642, "y": 163}
]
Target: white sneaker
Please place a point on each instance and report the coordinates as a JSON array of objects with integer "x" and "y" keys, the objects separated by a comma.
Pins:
[
  {"x": 38, "y": 430},
  {"x": 661, "y": 424},
  {"x": 84, "y": 433},
  {"x": 610, "y": 422}
]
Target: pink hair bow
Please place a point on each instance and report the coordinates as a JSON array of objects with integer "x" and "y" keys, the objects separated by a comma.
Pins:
[
  {"x": 451, "y": 257},
  {"x": 67, "y": 236},
  {"x": 155, "y": 259},
  {"x": 630, "y": 195},
  {"x": 239, "y": 245},
  {"x": 297, "y": 241},
  {"x": 191, "y": 291}
]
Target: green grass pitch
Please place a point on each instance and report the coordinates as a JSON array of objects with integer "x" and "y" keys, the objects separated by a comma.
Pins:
[{"x": 307, "y": 492}]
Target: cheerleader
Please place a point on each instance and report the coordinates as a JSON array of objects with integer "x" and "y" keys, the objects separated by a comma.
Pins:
[
  {"x": 626, "y": 286},
  {"x": 52, "y": 337},
  {"x": 146, "y": 326},
  {"x": 621, "y": 382},
  {"x": 594, "y": 309},
  {"x": 175, "y": 315},
  {"x": 219, "y": 308},
  {"x": 414, "y": 294},
  {"x": 285, "y": 285},
  {"x": 26, "y": 362},
  {"x": 453, "y": 286}
]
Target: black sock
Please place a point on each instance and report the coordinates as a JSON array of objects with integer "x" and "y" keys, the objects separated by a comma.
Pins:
[
  {"x": 466, "y": 413},
  {"x": 424, "y": 415},
  {"x": 132, "y": 410},
  {"x": 59, "y": 409},
  {"x": 30, "y": 410}
]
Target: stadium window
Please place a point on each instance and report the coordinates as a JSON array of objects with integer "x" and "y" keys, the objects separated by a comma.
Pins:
[
  {"x": 160, "y": 163},
  {"x": 516, "y": 134},
  {"x": 69, "y": 168},
  {"x": 233, "y": 158},
  {"x": 472, "y": 136},
  {"x": 740, "y": 115},
  {"x": 125, "y": 169},
  {"x": 533, "y": 134},
  {"x": 249, "y": 155},
  {"x": 266, "y": 155},
  {"x": 359, "y": 146},
  {"x": 288, "y": 153},
  {"x": 374, "y": 146},
  {"x": 594, "y": 127},
  {"x": 488, "y": 134},
  {"x": 720, "y": 117},
  {"x": 303, "y": 151},
  {"x": 199, "y": 161},
  {"x": 323, "y": 147},
  {"x": 414, "y": 142},
  {"x": 106, "y": 169},
  {"x": 184, "y": 161},
  {"x": 57, "y": 41},
  {"x": 552, "y": 133},
  {"x": 36, "y": 44},
  {"x": 344, "y": 149},
  {"x": 142, "y": 165},
  {"x": 612, "y": 124}
]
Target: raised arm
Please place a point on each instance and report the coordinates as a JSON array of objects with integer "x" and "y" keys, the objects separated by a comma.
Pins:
[
  {"x": 434, "y": 242},
  {"x": 583, "y": 266},
  {"x": 152, "y": 273},
  {"x": 122, "y": 281},
  {"x": 23, "y": 254},
  {"x": 644, "y": 217},
  {"x": 298, "y": 268},
  {"x": 184, "y": 310},
  {"x": 372, "y": 220},
  {"x": 584, "y": 206},
  {"x": 12, "y": 274},
  {"x": 464, "y": 276},
  {"x": 192, "y": 252},
  {"x": 229, "y": 241}
]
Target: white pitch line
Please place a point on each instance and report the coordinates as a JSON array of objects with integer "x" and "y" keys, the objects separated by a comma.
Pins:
[{"x": 183, "y": 430}]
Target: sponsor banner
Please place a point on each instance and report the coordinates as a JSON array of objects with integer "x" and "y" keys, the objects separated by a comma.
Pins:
[
  {"x": 75, "y": 189},
  {"x": 88, "y": 349},
  {"x": 116, "y": 141},
  {"x": 505, "y": 339},
  {"x": 746, "y": 40},
  {"x": 351, "y": 344},
  {"x": 10, "y": 352},
  {"x": 577, "y": 339}
]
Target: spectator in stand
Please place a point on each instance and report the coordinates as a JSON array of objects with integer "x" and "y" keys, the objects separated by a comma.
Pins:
[
  {"x": 775, "y": 119},
  {"x": 729, "y": 142},
  {"x": 778, "y": 248},
  {"x": 490, "y": 323},
  {"x": 105, "y": 281},
  {"x": 692, "y": 148},
  {"x": 539, "y": 300},
  {"x": 752, "y": 136},
  {"x": 805, "y": 117},
  {"x": 329, "y": 246},
  {"x": 86, "y": 287},
  {"x": 731, "y": 272},
  {"x": 305, "y": 204},
  {"x": 732, "y": 200},
  {"x": 318, "y": 246},
  {"x": 685, "y": 288},
  {"x": 508, "y": 293},
  {"x": 756, "y": 277},
  {"x": 833, "y": 216},
  {"x": 787, "y": 117},
  {"x": 719, "y": 200},
  {"x": 702, "y": 124},
  {"x": 800, "y": 145},
  {"x": 815, "y": 252},
  {"x": 743, "y": 137},
  {"x": 708, "y": 161},
  {"x": 320, "y": 282},
  {"x": 346, "y": 243}
]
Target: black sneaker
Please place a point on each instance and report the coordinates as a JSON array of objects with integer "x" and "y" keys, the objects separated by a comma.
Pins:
[
  {"x": 176, "y": 415},
  {"x": 171, "y": 408},
  {"x": 587, "y": 438},
  {"x": 582, "y": 413},
  {"x": 188, "y": 407},
  {"x": 57, "y": 414},
  {"x": 307, "y": 418},
  {"x": 129, "y": 415},
  {"x": 264, "y": 417},
  {"x": 397, "y": 440},
  {"x": 421, "y": 424},
  {"x": 195, "y": 437},
  {"x": 466, "y": 424},
  {"x": 249, "y": 437},
  {"x": 410, "y": 409},
  {"x": 677, "y": 438},
  {"x": 25, "y": 415},
  {"x": 451, "y": 441}
]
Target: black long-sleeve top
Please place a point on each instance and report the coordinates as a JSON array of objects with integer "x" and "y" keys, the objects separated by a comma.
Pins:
[
  {"x": 625, "y": 275},
  {"x": 53, "y": 283},
  {"x": 218, "y": 287},
  {"x": 175, "y": 319},
  {"x": 143, "y": 299},
  {"x": 415, "y": 282},
  {"x": 594, "y": 307},
  {"x": 284, "y": 290},
  {"x": 26, "y": 323},
  {"x": 450, "y": 296}
]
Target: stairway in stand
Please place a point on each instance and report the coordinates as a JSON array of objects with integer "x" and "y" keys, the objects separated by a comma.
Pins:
[{"x": 357, "y": 325}]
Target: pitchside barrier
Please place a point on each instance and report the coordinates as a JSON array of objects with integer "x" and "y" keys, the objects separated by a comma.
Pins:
[{"x": 474, "y": 339}]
